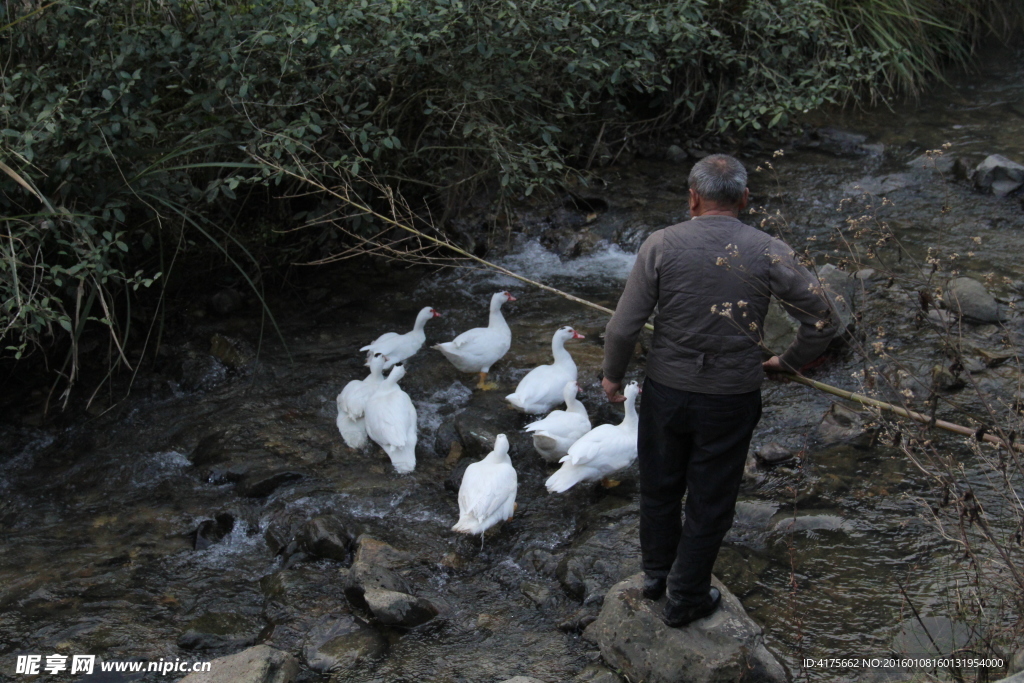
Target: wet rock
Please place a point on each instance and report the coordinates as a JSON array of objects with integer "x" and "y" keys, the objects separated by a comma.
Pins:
[
  {"x": 1016, "y": 663},
  {"x": 808, "y": 520},
  {"x": 226, "y": 301},
  {"x": 865, "y": 274},
  {"x": 941, "y": 317},
  {"x": 338, "y": 642},
  {"x": 1016, "y": 678},
  {"x": 480, "y": 422},
  {"x": 881, "y": 185},
  {"x": 676, "y": 154},
  {"x": 943, "y": 163},
  {"x": 369, "y": 550},
  {"x": 261, "y": 484},
  {"x": 945, "y": 380},
  {"x": 211, "y": 531},
  {"x": 396, "y": 608},
  {"x": 325, "y": 537},
  {"x": 596, "y": 673},
  {"x": 210, "y": 450},
  {"x": 522, "y": 679},
  {"x": 446, "y": 439},
  {"x": 773, "y": 453},
  {"x": 230, "y": 352},
  {"x": 752, "y": 474},
  {"x": 835, "y": 142},
  {"x": 540, "y": 560},
  {"x": 538, "y": 593},
  {"x": 201, "y": 372},
  {"x": 845, "y": 425},
  {"x": 969, "y": 299},
  {"x": 607, "y": 552},
  {"x": 998, "y": 175},
  {"x": 196, "y": 640},
  {"x": 931, "y": 637},
  {"x": 259, "y": 664},
  {"x": 580, "y": 619},
  {"x": 725, "y": 646},
  {"x": 373, "y": 568}
]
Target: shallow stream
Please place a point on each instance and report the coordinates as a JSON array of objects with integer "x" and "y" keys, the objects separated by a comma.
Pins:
[{"x": 98, "y": 520}]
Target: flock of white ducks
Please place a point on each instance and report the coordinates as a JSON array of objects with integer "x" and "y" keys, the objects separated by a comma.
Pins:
[{"x": 378, "y": 409}]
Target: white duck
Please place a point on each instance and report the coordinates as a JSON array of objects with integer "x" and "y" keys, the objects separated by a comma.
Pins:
[
  {"x": 601, "y": 451},
  {"x": 398, "y": 347},
  {"x": 541, "y": 389},
  {"x": 553, "y": 435},
  {"x": 476, "y": 350},
  {"x": 352, "y": 403},
  {"x": 391, "y": 421},
  {"x": 488, "y": 491}
]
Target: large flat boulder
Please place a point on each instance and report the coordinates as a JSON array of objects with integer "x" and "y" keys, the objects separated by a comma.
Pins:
[
  {"x": 725, "y": 646},
  {"x": 260, "y": 664}
]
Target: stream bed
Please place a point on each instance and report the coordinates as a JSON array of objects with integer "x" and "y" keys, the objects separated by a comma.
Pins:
[{"x": 99, "y": 520}]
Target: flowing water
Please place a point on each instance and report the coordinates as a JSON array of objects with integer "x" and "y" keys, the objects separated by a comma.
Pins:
[{"x": 98, "y": 519}]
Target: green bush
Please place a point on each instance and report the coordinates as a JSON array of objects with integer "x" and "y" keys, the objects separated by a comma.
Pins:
[{"x": 139, "y": 123}]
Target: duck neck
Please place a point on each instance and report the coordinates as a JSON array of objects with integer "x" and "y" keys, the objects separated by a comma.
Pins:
[
  {"x": 572, "y": 405},
  {"x": 421, "y": 322},
  {"x": 630, "y": 421},
  {"x": 562, "y": 356},
  {"x": 496, "y": 318},
  {"x": 377, "y": 373}
]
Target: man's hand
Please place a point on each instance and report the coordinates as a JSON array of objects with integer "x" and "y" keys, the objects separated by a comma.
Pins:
[
  {"x": 611, "y": 390},
  {"x": 775, "y": 370}
]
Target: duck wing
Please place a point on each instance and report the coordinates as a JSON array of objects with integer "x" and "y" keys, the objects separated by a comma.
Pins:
[{"x": 486, "y": 489}]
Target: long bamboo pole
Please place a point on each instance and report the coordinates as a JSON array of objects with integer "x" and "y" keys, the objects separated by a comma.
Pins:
[{"x": 799, "y": 379}]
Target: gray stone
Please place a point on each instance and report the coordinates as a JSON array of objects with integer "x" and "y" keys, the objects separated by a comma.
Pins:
[
  {"x": 845, "y": 425},
  {"x": 262, "y": 483},
  {"x": 364, "y": 577},
  {"x": 676, "y": 154},
  {"x": 942, "y": 163},
  {"x": 969, "y": 299},
  {"x": 940, "y": 317},
  {"x": 226, "y": 301},
  {"x": 597, "y": 673},
  {"x": 998, "y": 175},
  {"x": 1015, "y": 678},
  {"x": 339, "y": 642},
  {"x": 808, "y": 520},
  {"x": 1016, "y": 663},
  {"x": 259, "y": 664},
  {"x": 480, "y": 422},
  {"x": 931, "y": 637},
  {"x": 607, "y": 552},
  {"x": 725, "y": 646},
  {"x": 325, "y": 537},
  {"x": 399, "y": 609},
  {"x": 211, "y": 531},
  {"x": 522, "y": 679},
  {"x": 774, "y": 454}
]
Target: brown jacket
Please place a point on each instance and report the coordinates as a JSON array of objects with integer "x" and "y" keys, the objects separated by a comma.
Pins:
[{"x": 712, "y": 279}]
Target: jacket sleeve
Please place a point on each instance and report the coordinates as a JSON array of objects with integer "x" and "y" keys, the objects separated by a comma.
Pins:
[
  {"x": 801, "y": 294},
  {"x": 634, "y": 308}
]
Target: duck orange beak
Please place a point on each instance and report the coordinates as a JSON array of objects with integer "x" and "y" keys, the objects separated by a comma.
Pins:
[{"x": 436, "y": 314}]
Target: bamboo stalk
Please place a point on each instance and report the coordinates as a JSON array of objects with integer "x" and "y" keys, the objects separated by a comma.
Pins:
[{"x": 799, "y": 379}]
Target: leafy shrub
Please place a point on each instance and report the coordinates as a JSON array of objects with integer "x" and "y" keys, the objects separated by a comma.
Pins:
[{"x": 145, "y": 120}]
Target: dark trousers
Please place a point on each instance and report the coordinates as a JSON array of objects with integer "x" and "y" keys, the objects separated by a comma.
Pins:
[{"x": 694, "y": 442}]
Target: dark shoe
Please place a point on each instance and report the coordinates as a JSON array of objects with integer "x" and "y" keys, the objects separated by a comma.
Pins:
[
  {"x": 654, "y": 588},
  {"x": 676, "y": 616}
]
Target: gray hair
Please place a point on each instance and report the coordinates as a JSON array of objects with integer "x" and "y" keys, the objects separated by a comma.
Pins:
[{"x": 719, "y": 178}]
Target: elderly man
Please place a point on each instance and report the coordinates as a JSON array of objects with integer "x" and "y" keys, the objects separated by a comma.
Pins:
[{"x": 711, "y": 279}]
